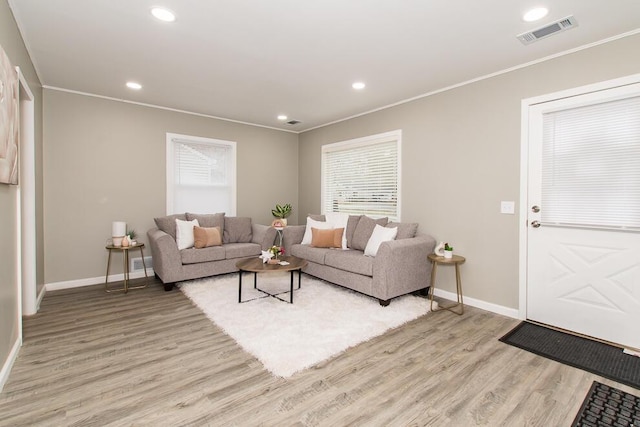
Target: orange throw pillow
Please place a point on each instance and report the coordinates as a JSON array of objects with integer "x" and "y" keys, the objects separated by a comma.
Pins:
[
  {"x": 206, "y": 236},
  {"x": 331, "y": 238}
]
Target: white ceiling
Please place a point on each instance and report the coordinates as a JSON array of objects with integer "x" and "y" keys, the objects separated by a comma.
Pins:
[{"x": 250, "y": 60}]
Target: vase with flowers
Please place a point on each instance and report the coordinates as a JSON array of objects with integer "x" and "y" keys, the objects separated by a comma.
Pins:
[{"x": 276, "y": 251}]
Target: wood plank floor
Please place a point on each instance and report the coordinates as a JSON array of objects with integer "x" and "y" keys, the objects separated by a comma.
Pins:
[{"x": 151, "y": 358}]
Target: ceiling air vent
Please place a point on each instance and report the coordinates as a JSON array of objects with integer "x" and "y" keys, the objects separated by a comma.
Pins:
[
  {"x": 293, "y": 122},
  {"x": 548, "y": 30}
]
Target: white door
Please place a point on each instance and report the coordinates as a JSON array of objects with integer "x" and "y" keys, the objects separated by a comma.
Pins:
[{"x": 583, "y": 255}]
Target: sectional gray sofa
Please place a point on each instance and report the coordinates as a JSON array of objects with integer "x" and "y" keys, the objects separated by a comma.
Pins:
[{"x": 399, "y": 267}]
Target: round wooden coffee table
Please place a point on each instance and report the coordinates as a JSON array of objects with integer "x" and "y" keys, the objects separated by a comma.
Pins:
[{"x": 255, "y": 266}]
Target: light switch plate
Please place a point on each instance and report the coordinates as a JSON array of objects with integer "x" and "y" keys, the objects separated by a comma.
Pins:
[{"x": 508, "y": 207}]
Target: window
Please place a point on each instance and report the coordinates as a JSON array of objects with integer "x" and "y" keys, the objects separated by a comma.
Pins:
[
  {"x": 362, "y": 176},
  {"x": 201, "y": 175},
  {"x": 590, "y": 174}
]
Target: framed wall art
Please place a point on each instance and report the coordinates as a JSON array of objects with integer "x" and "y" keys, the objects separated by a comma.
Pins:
[{"x": 9, "y": 125}]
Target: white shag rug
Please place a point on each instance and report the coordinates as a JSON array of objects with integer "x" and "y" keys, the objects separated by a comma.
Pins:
[{"x": 323, "y": 320}]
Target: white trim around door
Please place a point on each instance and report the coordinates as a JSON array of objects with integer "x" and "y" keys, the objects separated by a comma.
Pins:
[{"x": 526, "y": 106}]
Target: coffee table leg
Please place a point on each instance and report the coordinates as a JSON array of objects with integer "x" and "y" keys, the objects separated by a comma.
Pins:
[
  {"x": 255, "y": 280},
  {"x": 240, "y": 286},
  {"x": 299, "y": 277},
  {"x": 291, "y": 292}
]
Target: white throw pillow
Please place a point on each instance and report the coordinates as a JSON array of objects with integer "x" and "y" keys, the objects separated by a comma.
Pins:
[
  {"x": 320, "y": 225},
  {"x": 380, "y": 234},
  {"x": 184, "y": 233},
  {"x": 339, "y": 220}
]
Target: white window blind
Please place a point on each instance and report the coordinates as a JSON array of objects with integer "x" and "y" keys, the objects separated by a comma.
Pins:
[
  {"x": 200, "y": 175},
  {"x": 591, "y": 165},
  {"x": 363, "y": 176}
]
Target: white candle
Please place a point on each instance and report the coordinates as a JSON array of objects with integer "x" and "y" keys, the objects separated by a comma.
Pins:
[{"x": 118, "y": 229}]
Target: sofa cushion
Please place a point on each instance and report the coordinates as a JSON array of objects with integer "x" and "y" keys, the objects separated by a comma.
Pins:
[
  {"x": 352, "y": 223},
  {"x": 263, "y": 235},
  {"x": 208, "y": 220},
  {"x": 330, "y": 238},
  {"x": 203, "y": 237},
  {"x": 339, "y": 220},
  {"x": 380, "y": 234},
  {"x": 406, "y": 230},
  {"x": 350, "y": 260},
  {"x": 242, "y": 250},
  {"x": 184, "y": 233},
  {"x": 237, "y": 230},
  {"x": 168, "y": 223},
  {"x": 310, "y": 253},
  {"x": 195, "y": 256},
  {"x": 363, "y": 231},
  {"x": 317, "y": 217},
  {"x": 320, "y": 225}
]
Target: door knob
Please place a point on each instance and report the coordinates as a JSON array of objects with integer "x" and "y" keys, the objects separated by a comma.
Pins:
[
  {"x": 535, "y": 208},
  {"x": 535, "y": 224}
]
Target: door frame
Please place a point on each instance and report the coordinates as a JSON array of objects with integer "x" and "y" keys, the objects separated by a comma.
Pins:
[
  {"x": 27, "y": 200},
  {"x": 526, "y": 105}
]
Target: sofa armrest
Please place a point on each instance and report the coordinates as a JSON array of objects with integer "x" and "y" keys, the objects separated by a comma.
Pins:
[
  {"x": 401, "y": 266},
  {"x": 167, "y": 262},
  {"x": 292, "y": 235},
  {"x": 264, "y": 235}
]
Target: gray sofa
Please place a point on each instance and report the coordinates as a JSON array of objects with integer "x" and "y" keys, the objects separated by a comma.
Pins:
[
  {"x": 240, "y": 239},
  {"x": 399, "y": 267}
]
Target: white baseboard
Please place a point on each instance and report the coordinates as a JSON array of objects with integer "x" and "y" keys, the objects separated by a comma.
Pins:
[
  {"x": 40, "y": 297},
  {"x": 488, "y": 306},
  {"x": 8, "y": 364},
  {"x": 484, "y": 305},
  {"x": 68, "y": 284}
]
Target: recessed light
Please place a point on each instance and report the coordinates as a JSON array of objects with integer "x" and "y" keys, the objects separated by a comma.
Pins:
[
  {"x": 163, "y": 14},
  {"x": 134, "y": 85},
  {"x": 358, "y": 85},
  {"x": 535, "y": 14},
  {"x": 282, "y": 117}
]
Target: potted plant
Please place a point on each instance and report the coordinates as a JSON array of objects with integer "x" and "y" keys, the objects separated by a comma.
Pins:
[
  {"x": 448, "y": 251},
  {"x": 282, "y": 212},
  {"x": 129, "y": 238}
]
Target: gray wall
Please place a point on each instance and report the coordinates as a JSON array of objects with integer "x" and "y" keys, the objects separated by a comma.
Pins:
[
  {"x": 461, "y": 157},
  {"x": 105, "y": 160},
  {"x": 12, "y": 43}
]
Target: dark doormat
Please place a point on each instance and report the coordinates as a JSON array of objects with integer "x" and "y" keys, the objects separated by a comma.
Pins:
[
  {"x": 592, "y": 356},
  {"x": 608, "y": 406}
]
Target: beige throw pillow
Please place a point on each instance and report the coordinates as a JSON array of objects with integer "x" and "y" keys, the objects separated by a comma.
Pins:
[
  {"x": 329, "y": 238},
  {"x": 320, "y": 225},
  {"x": 206, "y": 236}
]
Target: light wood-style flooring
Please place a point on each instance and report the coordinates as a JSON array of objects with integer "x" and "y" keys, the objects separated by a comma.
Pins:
[{"x": 150, "y": 358}]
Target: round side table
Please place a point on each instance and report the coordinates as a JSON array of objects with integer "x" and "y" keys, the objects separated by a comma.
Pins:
[
  {"x": 456, "y": 260},
  {"x": 125, "y": 256}
]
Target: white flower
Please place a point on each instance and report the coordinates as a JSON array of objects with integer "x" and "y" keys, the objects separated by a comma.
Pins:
[{"x": 266, "y": 256}]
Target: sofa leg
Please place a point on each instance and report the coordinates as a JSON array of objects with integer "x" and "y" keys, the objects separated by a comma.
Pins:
[
  {"x": 384, "y": 302},
  {"x": 168, "y": 286}
]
